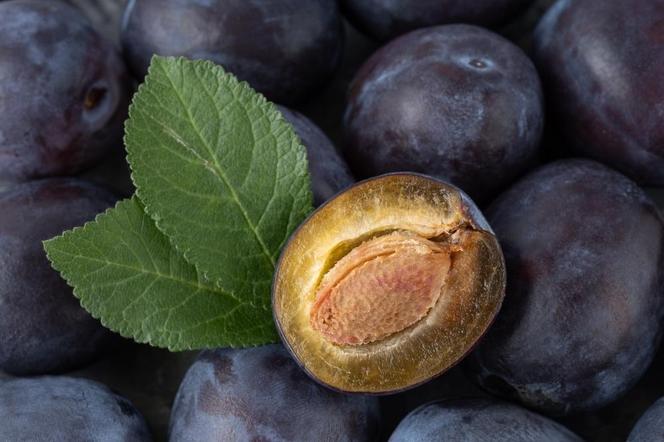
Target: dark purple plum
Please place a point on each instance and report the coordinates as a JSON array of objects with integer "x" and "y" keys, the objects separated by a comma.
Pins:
[
  {"x": 456, "y": 102},
  {"x": 479, "y": 420},
  {"x": 261, "y": 394},
  {"x": 602, "y": 66},
  {"x": 582, "y": 317},
  {"x": 58, "y": 408},
  {"x": 650, "y": 427},
  {"x": 64, "y": 91},
  {"x": 285, "y": 50},
  {"x": 328, "y": 170},
  {"x": 43, "y": 329},
  {"x": 385, "y": 19}
]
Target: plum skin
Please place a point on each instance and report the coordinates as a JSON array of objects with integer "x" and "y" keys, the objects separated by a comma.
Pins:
[
  {"x": 43, "y": 328},
  {"x": 582, "y": 315},
  {"x": 386, "y": 19},
  {"x": 65, "y": 408},
  {"x": 602, "y": 65},
  {"x": 456, "y": 102},
  {"x": 650, "y": 426},
  {"x": 285, "y": 50},
  {"x": 65, "y": 91},
  {"x": 261, "y": 394},
  {"x": 328, "y": 170},
  {"x": 478, "y": 420}
]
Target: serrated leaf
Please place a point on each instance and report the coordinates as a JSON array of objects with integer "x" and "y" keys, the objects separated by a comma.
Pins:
[
  {"x": 220, "y": 170},
  {"x": 126, "y": 272}
]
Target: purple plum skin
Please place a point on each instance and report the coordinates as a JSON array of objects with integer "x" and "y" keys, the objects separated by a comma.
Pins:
[
  {"x": 602, "y": 66},
  {"x": 285, "y": 50},
  {"x": 479, "y": 420},
  {"x": 43, "y": 328},
  {"x": 261, "y": 394},
  {"x": 581, "y": 321},
  {"x": 64, "y": 90},
  {"x": 650, "y": 427},
  {"x": 456, "y": 102},
  {"x": 386, "y": 19},
  {"x": 328, "y": 170},
  {"x": 59, "y": 408}
]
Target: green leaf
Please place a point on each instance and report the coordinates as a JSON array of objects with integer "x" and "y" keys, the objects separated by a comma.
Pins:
[
  {"x": 221, "y": 183},
  {"x": 221, "y": 172},
  {"x": 126, "y": 273}
]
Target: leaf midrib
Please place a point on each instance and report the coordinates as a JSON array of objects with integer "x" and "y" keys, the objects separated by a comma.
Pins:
[
  {"x": 220, "y": 174},
  {"x": 141, "y": 270}
]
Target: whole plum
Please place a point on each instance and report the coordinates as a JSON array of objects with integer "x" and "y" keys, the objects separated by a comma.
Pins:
[
  {"x": 54, "y": 408},
  {"x": 261, "y": 394},
  {"x": 284, "y": 49},
  {"x": 456, "y": 102},
  {"x": 64, "y": 91},
  {"x": 582, "y": 317},
  {"x": 479, "y": 420},
  {"x": 650, "y": 427},
  {"x": 43, "y": 328},
  {"x": 328, "y": 170},
  {"x": 602, "y": 66},
  {"x": 385, "y": 19}
]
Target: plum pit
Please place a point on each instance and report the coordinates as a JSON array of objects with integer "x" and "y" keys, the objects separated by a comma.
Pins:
[{"x": 380, "y": 288}]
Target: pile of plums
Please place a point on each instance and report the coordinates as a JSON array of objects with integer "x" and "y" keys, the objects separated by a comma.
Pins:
[{"x": 530, "y": 279}]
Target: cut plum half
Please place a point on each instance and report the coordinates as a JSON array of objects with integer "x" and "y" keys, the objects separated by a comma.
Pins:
[{"x": 388, "y": 285}]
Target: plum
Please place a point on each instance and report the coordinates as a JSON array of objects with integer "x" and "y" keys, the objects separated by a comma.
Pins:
[
  {"x": 388, "y": 284},
  {"x": 650, "y": 427},
  {"x": 59, "y": 408},
  {"x": 285, "y": 50},
  {"x": 328, "y": 170},
  {"x": 43, "y": 328},
  {"x": 64, "y": 91},
  {"x": 602, "y": 66},
  {"x": 584, "y": 248},
  {"x": 456, "y": 102},
  {"x": 479, "y": 420},
  {"x": 261, "y": 394},
  {"x": 385, "y": 19}
]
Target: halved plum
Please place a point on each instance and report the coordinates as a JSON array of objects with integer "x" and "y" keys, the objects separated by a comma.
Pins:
[{"x": 388, "y": 285}]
